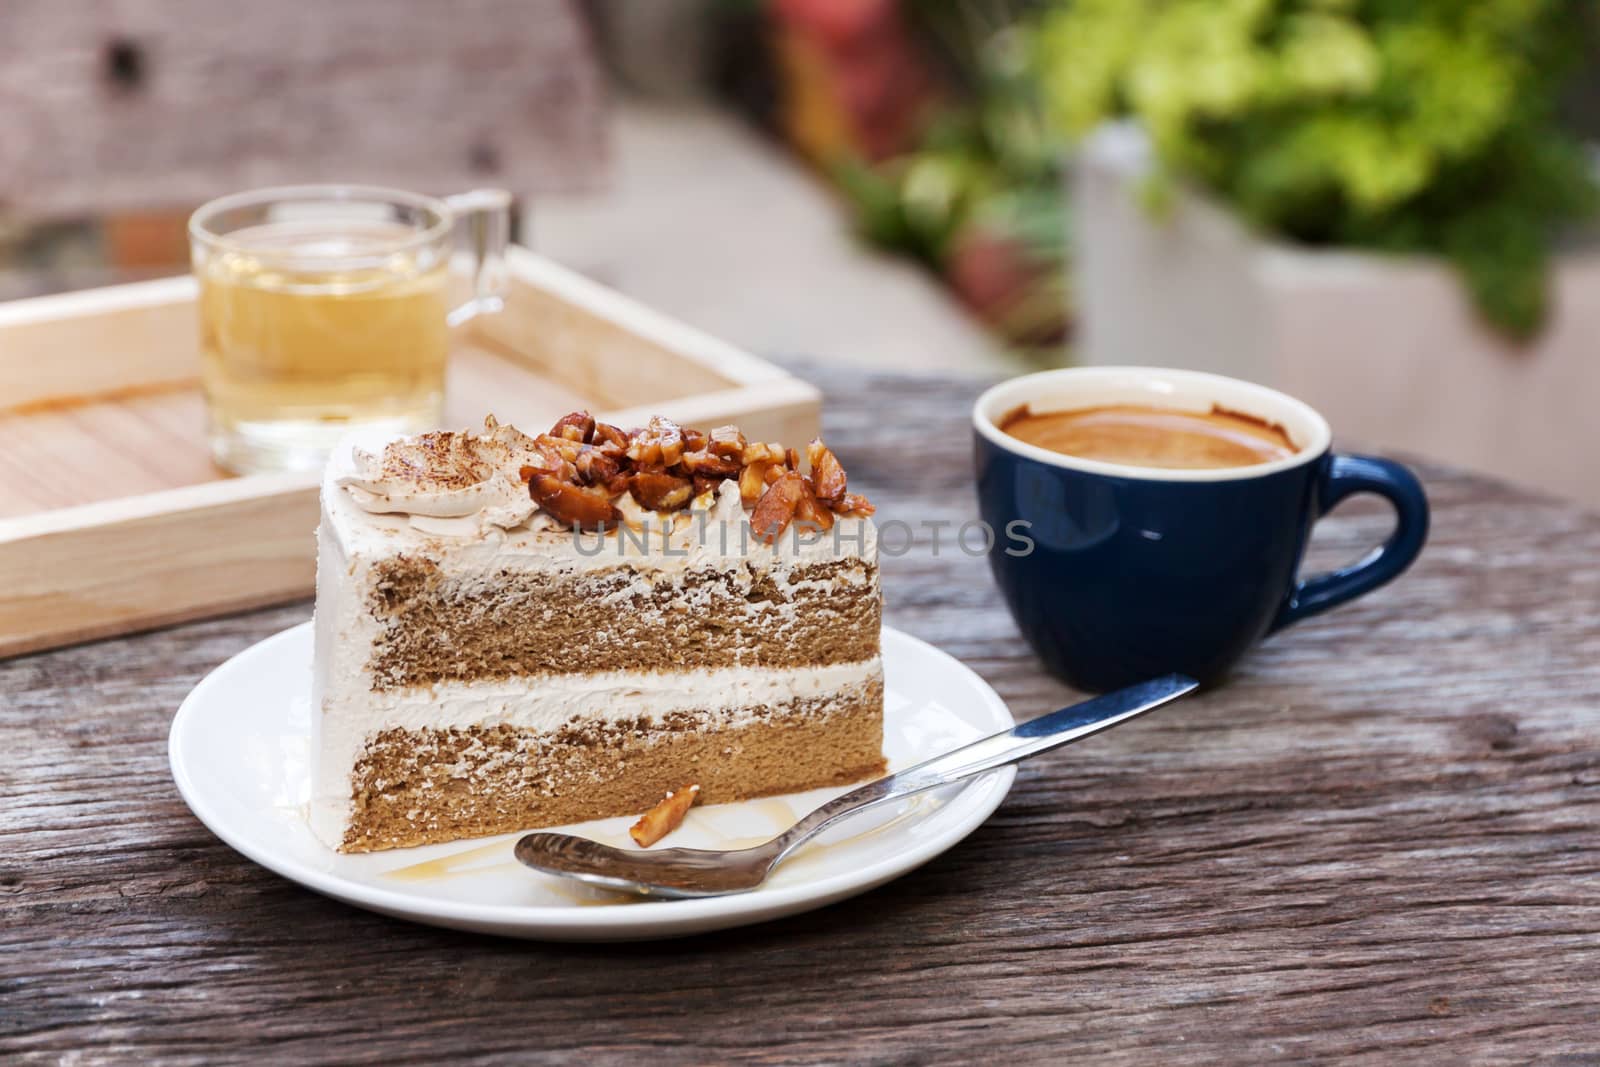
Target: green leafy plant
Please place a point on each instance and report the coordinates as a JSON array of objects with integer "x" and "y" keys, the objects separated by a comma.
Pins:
[{"x": 1406, "y": 126}]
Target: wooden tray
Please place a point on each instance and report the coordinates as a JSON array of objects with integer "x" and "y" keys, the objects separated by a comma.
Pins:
[{"x": 113, "y": 517}]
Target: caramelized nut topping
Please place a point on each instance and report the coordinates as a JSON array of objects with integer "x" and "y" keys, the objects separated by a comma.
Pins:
[
  {"x": 756, "y": 452},
  {"x": 813, "y": 512},
  {"x": 595, "y": 466},
  {"x": 665, "y": 817},
  {"x": 610, "y": 440},
  {"x": 578, "y": 426},
  {"x": 586, "y": 508},
  {"x": 702, "y": 462},
  {"x": 558, "y": 450},
  {"x": 827, "y": 474},
  {"x": 661, "y": 491},
  {"x": 727, "y": 441},
  {"x": 578, "y": 470},
  {"x": 753, "y": 482},
  {"x": 855, "y": 505},
  {"x": 777, "y": 506},
  {"x": 659, "y": 442}
]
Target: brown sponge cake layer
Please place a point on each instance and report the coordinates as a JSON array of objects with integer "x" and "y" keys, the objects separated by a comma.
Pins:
[
  {"x": 436, "y": 627},
  {"x": 418, "y": 787}
]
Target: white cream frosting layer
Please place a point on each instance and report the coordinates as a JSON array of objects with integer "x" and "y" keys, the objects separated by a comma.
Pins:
[
  {"x": 714, "y": 533},
  {"x": 545, "y": 704}
]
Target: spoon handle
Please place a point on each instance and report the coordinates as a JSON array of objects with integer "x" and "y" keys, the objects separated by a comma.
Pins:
[{"x": 1058, "y": 728}]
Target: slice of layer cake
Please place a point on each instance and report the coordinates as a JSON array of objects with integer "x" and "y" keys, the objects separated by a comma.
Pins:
[{"x": 519, "y": 631}]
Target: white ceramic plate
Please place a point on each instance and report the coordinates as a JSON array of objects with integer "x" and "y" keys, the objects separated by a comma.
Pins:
[{"x": 240, "y": 746}]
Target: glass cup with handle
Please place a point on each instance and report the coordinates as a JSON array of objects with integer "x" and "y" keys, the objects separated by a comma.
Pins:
[{"x": 327, "y": 308}]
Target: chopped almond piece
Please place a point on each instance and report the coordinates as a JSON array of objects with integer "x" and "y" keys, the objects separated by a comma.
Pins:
[
  {"x": 661, "y": 491},
  {"x": 813, "y": 511},
  {"x": 659, "y": 442},
  {"x": 827, "y": 474},
  {"x": 727, "y": 441},
  {"x": 564, "y": 447},
  {"x": 595, "y": 466},
  {"x": 709, "y": 463},
  {"x": 756, "y": 452},
  {"x": 776, "y": 508},
  {"x": 586, "y": 508},
  {"x": 578, "y": 426},
  {"x": 753, "y": 482},
  {"x": 665, "y": 817},
  {"x": 610, "y": 440},
  {"x": 855, "y": 505}
]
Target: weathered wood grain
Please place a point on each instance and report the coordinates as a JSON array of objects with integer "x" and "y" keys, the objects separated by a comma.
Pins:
[
  {"x": 144, "y": 104},
  {"x": 1378, "y": 844}
]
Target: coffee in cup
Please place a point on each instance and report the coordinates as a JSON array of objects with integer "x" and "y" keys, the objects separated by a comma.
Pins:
[
  {"x": 1153, "y": 437},
  {"x": 1156, "y": 519}
]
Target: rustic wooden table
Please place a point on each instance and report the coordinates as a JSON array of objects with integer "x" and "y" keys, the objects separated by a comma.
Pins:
[{"x": 1379, "y": 841}]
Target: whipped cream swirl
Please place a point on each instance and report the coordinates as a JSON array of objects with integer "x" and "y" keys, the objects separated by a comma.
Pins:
[{"x": 474, "y": 479}]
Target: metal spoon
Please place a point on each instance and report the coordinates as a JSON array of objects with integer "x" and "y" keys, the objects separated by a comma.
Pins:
[{"x": 692, "y": 872}]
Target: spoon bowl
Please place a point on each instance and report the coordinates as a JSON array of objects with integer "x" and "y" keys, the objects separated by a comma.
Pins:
[{"x": 668, "y": 873}]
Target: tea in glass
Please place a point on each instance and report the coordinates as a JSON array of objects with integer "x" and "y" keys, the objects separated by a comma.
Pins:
[{"x": 322, "y": 310}]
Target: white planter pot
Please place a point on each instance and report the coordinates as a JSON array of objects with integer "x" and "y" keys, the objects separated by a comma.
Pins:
[{"x": 1388, "y": 348}]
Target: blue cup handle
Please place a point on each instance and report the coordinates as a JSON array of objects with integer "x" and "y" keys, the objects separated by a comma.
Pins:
[{"x": 1342, "y": 477}]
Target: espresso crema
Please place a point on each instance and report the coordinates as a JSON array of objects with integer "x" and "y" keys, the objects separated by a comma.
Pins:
[{"x": 1153, "y": 437}]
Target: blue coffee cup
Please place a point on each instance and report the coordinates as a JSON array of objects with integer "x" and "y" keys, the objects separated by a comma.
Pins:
[{"x": 1118, "y": 573}]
